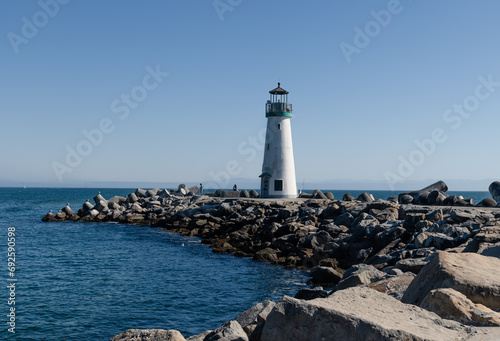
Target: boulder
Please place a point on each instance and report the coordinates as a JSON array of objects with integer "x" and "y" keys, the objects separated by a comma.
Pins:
[
  {"x": 317, "y": 194},
  {"x": 69, "y": 212},
  {"x": 453, "y": 305},
  {"x": 99, "y": 198},
  {"x": 87, "y": 207},
  {"x": 254, "y": 194},
  {"x": 359, "y": 274},
  {"x": 475, "y": 276},
  {"x": 488, "y": 202},
  {"x": 244, "y": 194},
  {"x": 330, "y": 195},
  {"x": 495, "y": 190},
  {"x": 436, "y": 198},
  {"x": 194, "y": 189},
  {"x": 152, "y": 192},
  {"x": 414, "y": 265},
  {"x": 132, "y": 197},
  {"x": 405, "y": 198},
  {"x": 395, "y": 286},
  {"x": 311, "y": 294},
  {"x": 149, "y": 335},
  {"x": 322, "y": 275},
  {"x": 491, "y": 251},
  {"x": 229, "y": 331},
  {"x": 252, "y": 320},
  {"x": 361, "y": 314},
  {"x": 348, "y": 197},
  {"x": 366, "y": 197}
]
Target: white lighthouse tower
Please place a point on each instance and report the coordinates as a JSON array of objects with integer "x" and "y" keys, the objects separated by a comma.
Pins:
[{"x": 278, "y": 169}]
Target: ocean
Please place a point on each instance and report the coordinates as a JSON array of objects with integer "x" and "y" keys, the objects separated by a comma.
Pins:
[{"x": 91, "y": 281}]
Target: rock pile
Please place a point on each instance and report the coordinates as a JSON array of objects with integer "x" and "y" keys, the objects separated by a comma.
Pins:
[{"x": 394, "y": 270}]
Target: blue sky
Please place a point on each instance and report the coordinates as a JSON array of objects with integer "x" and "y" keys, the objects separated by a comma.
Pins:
[{"x": 357, "y": 114}]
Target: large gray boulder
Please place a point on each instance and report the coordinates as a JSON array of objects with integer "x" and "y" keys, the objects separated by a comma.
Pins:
[
  {"x": 252, "y": 320},
  {"x": 360, "y": 274},
  {"x": 362, "y": 314},
  {"x": 475, "y": 276},
  {"x": 452, "y": 305},
  {"x": 495, "y": 190},
  {"x": 149, "y": 335},
  {"x": 229, "y": 331}
]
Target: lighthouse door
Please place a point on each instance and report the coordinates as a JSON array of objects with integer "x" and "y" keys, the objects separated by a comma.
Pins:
[{"x": 265, "y": 187}]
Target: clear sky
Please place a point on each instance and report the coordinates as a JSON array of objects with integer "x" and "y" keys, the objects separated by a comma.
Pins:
[{"x": 174, "y": 91}]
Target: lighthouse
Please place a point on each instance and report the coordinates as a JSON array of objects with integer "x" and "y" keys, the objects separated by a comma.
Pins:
[{"x": 278, "y": 168}]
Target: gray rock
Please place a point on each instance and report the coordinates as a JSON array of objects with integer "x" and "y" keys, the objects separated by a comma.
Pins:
[
  {"x": 326, "y": 276},
  {"x": 330, "y": 195},
  {"x": 475, "y": 276},
  {"x": 348, "y": 197},
  {"x": 414, "y": 265},
  {"x": 252, "y": 320},
  {"x": 361, "y": 314},
  {"x": 149, "y": 335},
  {"x": 244, "y": 194},
  {"x": 317, "y": 194},
  {"x": 453, "y": 305},
  {"x": 254, "y": 194},
  {"x": 495, "y": 190},
  {"x": 359, "y": 274},
  {"x": 69, "y": 212},
  {"x": 491, "y": 251},
  {"x": 152, "y": 192},
  {"x": 132, "y": 197},
  {"x": 488, "y": 202},
  {"x": 366, "y": 197},
  {"x": 99, "y": 198},
  {"x": 229, "y": 331},
  {"x": 311, "y": 294}
]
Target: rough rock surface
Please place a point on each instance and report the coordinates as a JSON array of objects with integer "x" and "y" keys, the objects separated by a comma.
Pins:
[
  {"x": 149, "y": 335},
  {"x": 475, "y": 276},
  {"x": 360, "y": 314},
  {"x": 452, "y": 305},
  {"x": 229, "y": 331},
  {"x": 252, "y": 320}
]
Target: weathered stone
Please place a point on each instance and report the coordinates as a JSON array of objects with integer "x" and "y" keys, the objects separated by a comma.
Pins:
[
  {"x": 322, "y": 275},
  {"x": 361, "y": 314},
  {"x": 450, "y": 201},
  {"x": 495, "y": 190},
  {"x": 149, "y": 335},
  {"x": 69, "y": 212},
  {"x": 61, "y": 215},
  {"x": 348, "y": 197},
  {"x": 311, "y": 294},
  {"x": 230, "y": 194},
  {"x": 436, "y": 198},
  {"x": 453, "y": 305},
  {"x": 487, "y": 236},
  {"x": 491, "y": 251},
  {"x": 405, "y": 198},
  {"x": 229, "y": 331},
  {"x": 475, "y": 276},
  {"x": 366, "y": 197},
  {"x": 132, "y": 197},
  {"x": 414, "y": 265},
  {"x": 395, "y": 286},
  {"x": 488, "y": 202},
  {"x": 330, "y": 195},
  {"x": 252, "y": 320},
  {"x": 359, "y": 274},
  {"x": 254, "y": 194}
]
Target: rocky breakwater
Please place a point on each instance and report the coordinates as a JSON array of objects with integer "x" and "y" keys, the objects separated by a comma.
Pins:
[{"x": 376, "y": 256}]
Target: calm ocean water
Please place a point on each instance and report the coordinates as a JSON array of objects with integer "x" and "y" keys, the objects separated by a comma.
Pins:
[{"x": 85, "y": 281}]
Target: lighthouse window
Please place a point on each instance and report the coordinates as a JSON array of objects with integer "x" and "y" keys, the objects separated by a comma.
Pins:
[
  {"x": 278, "y": 185},
  {"x": 279, "y": 126},
  {"x": 268, "y": 146}
]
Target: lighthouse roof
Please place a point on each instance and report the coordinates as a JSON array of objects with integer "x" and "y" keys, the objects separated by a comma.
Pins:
[{"x": 278, "y": 91}]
